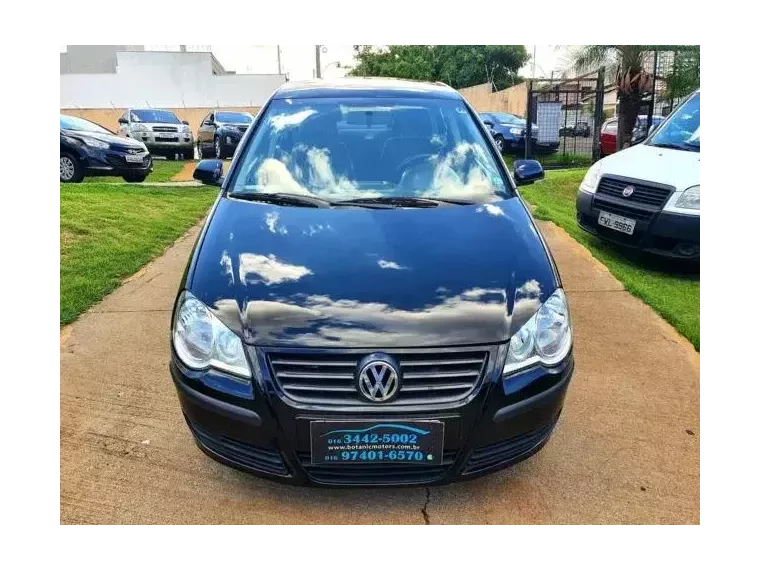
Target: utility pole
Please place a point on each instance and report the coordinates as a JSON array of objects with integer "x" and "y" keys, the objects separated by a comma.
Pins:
[
  {"x": 534, "y": 62},
  {"x": 279, "y": 62},
  {"x": 319, "y": 67}
]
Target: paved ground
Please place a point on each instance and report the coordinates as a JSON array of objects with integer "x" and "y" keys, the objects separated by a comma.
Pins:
[{"x": 626, "y": 449}]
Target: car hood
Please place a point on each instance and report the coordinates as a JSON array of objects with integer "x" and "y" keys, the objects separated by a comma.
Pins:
[
  {"x": 358, "y": 277},
  {"x": 678, "y": 168},
  {"x": 110, "y": 139}
]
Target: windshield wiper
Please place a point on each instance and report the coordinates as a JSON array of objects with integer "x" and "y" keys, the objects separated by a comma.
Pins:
[
  {"x": 282, "y": 198},
  {"x": 400, "y": 202},
  {"x": 684, "y": 146}
]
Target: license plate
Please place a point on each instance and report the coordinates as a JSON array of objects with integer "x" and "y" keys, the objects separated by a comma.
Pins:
[
  {"x": 166, "y": 135},
  {"x": 357, "y": 443},
  {"x": 617, "y": 223},
  {"x": 133, "y": 158}
]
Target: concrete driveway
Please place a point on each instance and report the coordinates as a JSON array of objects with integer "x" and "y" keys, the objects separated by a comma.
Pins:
[{"x": 626, "y": 449}]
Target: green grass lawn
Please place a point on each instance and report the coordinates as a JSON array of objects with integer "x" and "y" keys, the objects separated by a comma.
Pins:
[
  {"x": 163, "y": 170},
  {"x": 555, "y": 160},
  {"x": 109, "y": 231},
  {"x": 671, "y": 290}
]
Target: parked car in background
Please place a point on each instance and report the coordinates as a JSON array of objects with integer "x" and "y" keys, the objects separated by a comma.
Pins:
[
  {"x": 579, "y": 129},
  {"x": 508, "y": 130},
  {"x": 647, "y": 196},
  {"x": 161, "y": 131},
  {"x": 87, "y": 149},
  {"x": 370, "y": 306},
  {"x": 220, "y": 132},
  {"x": 608, "y": 137}
]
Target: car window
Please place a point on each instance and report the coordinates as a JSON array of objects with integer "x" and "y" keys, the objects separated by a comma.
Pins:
[
  {"x": 233, "y": 118},
  {"x": 153, "y": 116},
  {"x": 417, "y": 147},
  {"x": 204, "y": 120},
  {"x": 610, "y": 127},
  {"x": 681, "y": 128},
  {"x": 508, "y": 119},
  {"x": 76, "y": 124}
]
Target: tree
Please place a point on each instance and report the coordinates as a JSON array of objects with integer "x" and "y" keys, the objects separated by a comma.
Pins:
[
  {"x": 633, "y": 81},
  {"x": 459, "y": 66}
]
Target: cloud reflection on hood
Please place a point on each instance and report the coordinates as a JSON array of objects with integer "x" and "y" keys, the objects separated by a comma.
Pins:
[{"x": 310, "y": 320}]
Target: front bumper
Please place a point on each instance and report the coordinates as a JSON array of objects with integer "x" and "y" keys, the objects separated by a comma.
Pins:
[
  {"x": 111, "y": 162},
  {"x": 258, "y": 430},
  {"x": 180, "y": 141},
  {"x": 666, "y": 234}
]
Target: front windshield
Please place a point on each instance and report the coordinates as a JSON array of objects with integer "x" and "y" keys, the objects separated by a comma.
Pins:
[
  {"x": 410, "y": 147},
  {"x": 76, "y": 124},
  {"x": 507, "y": 119},
  {"x": 681, "y": 129},
  {"x": 154, "y": 116},
  {"x": 233, "y": 118}
]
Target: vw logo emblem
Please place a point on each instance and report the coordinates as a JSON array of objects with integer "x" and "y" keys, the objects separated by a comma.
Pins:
[
  {"x": 627, "y": 191},
  {"x": 378, "y": 378},
  {"x": 134, "y": 151}
]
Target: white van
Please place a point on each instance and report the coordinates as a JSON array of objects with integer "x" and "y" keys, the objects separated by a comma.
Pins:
[{"x": 647, "y": 196}]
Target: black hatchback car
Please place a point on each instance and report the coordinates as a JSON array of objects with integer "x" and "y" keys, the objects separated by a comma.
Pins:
[
  {"x": 220, "y": 132},
  {"x": 370, "y": 306},
  {"x": 87, "y": 149}
]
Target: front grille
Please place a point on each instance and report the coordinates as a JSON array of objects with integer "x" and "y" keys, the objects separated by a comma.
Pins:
[
  {"x": 426, "y": 377},
  {"x": 506, "y": 451},
  {"x": 240, "y": 452},
  {"x": 634, "y": 211},
  {"x": 643, "y": 193},
  {"x": 376, "y": 473},
  {"x": 164, "y": 129}
]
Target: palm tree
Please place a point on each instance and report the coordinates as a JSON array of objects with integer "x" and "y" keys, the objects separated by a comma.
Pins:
[{"x": 633, "y": 82}]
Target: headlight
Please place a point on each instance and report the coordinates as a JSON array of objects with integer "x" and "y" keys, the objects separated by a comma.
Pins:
[
  {"x": 515, "y": 131},
  {"x": 202, "y": 341},
  {"x": 689, "y": 199},
  {"x": 591, "y": 180},
  {"x": 138, "y": 128},
  {"x": 686, "y": 202},
  {"x": 185, "y": 129},
  {"x": 94, "y": 143},
  {"x": 545, "y": 339}
]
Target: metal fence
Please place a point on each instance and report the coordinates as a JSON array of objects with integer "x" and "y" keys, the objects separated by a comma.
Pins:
[
  {"x": 565, "y": 118},
  {"x": 566, "y": 115}
]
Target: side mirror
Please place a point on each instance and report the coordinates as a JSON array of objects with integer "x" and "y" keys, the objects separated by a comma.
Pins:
[
  {"x": 185, "y": 123},
  {"x": 123, "y": 121},
  {"x": 209, "y": 171},
  {"x": 527, "y": 172}
]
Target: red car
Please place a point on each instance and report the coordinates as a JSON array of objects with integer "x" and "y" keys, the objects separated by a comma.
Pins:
[{"x": 608, "y": 137}]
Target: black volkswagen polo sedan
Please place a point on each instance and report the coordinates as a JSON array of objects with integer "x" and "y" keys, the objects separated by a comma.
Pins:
[{"x": 370, "y": 303}]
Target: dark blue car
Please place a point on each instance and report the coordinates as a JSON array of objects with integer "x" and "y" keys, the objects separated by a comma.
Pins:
[
  {"x": 370, "y": 301},
  {"x": 509, "y": 130},
  {"x": 87, "y": 149}
]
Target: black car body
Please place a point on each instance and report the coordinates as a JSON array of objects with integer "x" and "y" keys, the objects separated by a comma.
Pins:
[
  {"x": 87, "y": 149},
  {"x": 579, "y": 129},
  {"x": 220, "y": 132},
  {"x": 647, "y": 197},
  {"x": 328, "y": 334}
]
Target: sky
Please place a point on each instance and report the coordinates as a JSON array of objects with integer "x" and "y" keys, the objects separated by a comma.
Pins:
[{"x": 298, "y": 61}]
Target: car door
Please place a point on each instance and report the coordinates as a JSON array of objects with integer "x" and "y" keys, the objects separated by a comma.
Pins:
[{"x": 203, "y": 131}]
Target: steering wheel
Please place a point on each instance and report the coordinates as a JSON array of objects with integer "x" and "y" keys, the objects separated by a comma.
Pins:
[{"x": 410, "y": 162}]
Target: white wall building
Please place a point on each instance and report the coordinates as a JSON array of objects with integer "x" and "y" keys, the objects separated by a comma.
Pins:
[{"x": 122, "y": 79}]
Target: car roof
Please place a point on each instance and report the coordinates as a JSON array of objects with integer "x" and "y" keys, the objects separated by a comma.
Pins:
[{"x": 365, "y": 87}]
